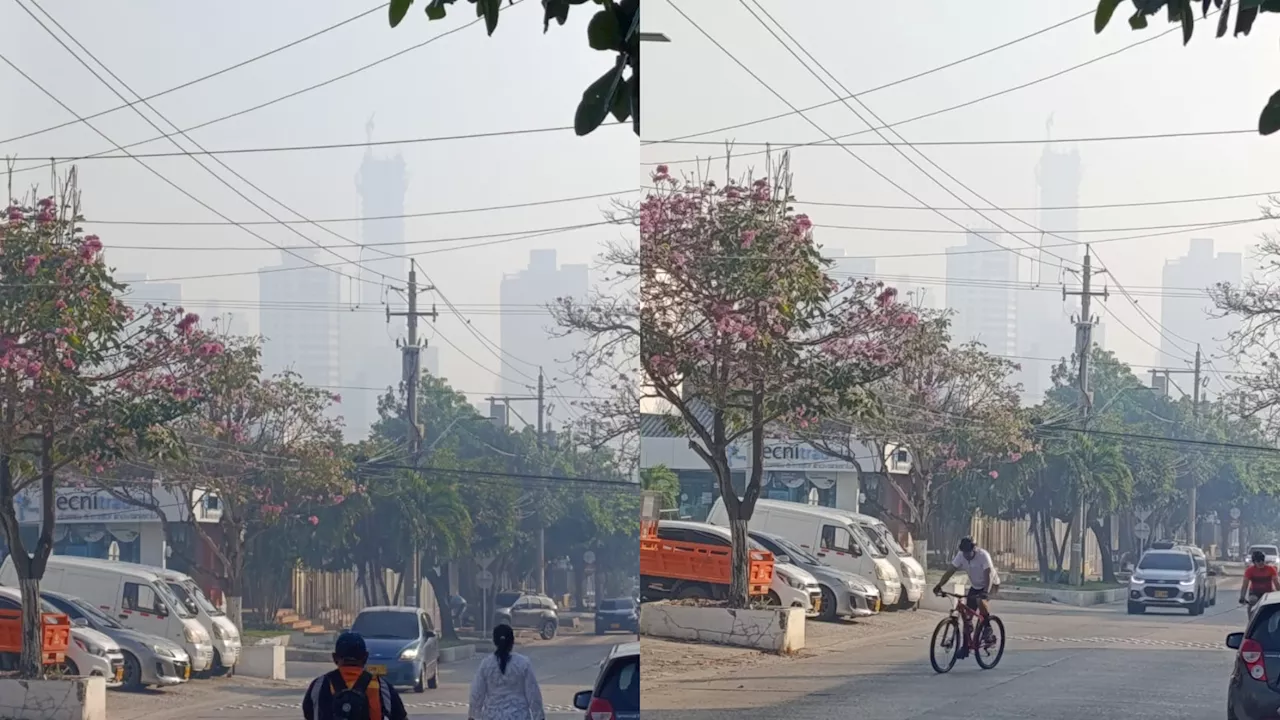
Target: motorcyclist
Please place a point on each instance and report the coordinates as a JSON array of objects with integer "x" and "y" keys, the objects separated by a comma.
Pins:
[{"x": 1259, "y": 579}]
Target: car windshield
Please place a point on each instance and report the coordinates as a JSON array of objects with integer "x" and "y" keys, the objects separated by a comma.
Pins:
[
  {"x": 387, "y": 625},
  {"x": 97, "y": 615},
  {"x": 864, "y": 541},
  {"x": 505, "y": 599},
  {"x": 797, "y": 552},
  {"x": 181, "y": 593},
  {"x": 621, "y": 685},
  {"x": 1266, "y": 549},
  {"x": 880, "y": 530},
  {"x": 201, "y": 599},
  {"x": 1165, "y": 561},
  {"x": 179, "y": 607},
  {"x": 621, "y": 604}
]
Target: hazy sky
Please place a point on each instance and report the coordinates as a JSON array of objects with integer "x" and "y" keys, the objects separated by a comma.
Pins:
[
  {"x": 460, "y": 84},
  {"x": 691, "y": 86}
]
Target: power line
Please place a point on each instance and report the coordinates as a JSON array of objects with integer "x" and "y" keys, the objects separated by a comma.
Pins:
[
  {"x": 885, "y": 86},
  {"x": 175, "y": 143},
  {"x": 961, "y": 143},
  {"x": 306, "y": 148},
  {"x": 202, "y": 78},
  {"x": 933, "y": 113},
  {"x": 819, "y": 128},
  {"x": 307, "y": 89},
  {"x": 366, "y": 218}
]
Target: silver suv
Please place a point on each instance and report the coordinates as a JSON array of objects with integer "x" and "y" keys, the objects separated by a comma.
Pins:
[{"x": 1170, "y": 579}]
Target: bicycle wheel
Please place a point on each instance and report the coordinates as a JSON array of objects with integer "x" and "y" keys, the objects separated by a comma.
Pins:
[
  {"x": 947, "y": 637},
  {"x": 990, "y": 649}
]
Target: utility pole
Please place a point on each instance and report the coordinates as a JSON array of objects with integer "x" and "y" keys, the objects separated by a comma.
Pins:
[
  {"x": 1195, "y": 415},
  {"x": 410, "y": 374},
  {"x": 1084, "y": 346},
  {"x": 540, "y": 399}
]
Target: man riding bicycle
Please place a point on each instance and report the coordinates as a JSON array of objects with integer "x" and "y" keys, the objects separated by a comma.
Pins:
[
  {"x": 984, "y": 581},
  {"x": 1259, "y": 579}
]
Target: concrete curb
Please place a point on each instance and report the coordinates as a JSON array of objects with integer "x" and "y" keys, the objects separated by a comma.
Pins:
[{"x": 1076, "y": 598}]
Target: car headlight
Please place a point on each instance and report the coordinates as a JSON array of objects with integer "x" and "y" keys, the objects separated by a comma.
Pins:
[
  {"x": 217, "y": 631},
  {"x": 1136, "y": 578},
  {"x": 91, "y": 647},
  {"x": 409, "y": 653},
  {"x": 162, "y": 651},
  {"x": 794, "y": 582},
  {"x": 193, "y": 635},
  {"x": 881, "y": 573},
  {"x": 1187, "y": 582}
]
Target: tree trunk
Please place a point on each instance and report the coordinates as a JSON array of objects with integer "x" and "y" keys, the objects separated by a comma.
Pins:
[
  {"x": 1102, "y": 532},
  {"x": 1042, "y": 555},
  {"x": 440, "y": 589},
  {"x": 235, "y": 600},
  {"x": 32, "y": 664},
  {"x": 1066, "y": 542},
  {"x": 739, "y": 585}
]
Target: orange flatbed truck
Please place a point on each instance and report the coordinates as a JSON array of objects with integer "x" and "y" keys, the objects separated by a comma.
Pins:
[
  {"x": 56, "y": 634},
  {"x": 671, "y": 569}
]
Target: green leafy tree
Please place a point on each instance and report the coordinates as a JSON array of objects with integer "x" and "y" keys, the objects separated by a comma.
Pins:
[
  {"x": 1182, "y": 12},
  {"x": 84, "y": 380},
  {"x": 614, "y": 28},
  {"x": 664, "y": 483}
]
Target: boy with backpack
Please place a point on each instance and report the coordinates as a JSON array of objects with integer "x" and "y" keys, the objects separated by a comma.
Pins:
[{"x": 349, "y": 692}]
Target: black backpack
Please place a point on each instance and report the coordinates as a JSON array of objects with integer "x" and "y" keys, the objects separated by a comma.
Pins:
[{"x": 350, "y": 703}]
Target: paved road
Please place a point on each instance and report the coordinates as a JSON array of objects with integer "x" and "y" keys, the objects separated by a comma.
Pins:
[
  {"x": 1059, "y": 664},
  {"x": 564, "y": 666}
]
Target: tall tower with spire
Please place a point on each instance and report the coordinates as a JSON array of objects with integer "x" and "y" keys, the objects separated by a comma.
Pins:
[{"x": 370, "y": 359}]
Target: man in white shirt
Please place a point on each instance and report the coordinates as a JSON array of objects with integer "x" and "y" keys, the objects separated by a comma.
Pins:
[{"x": 984, "y": 581}]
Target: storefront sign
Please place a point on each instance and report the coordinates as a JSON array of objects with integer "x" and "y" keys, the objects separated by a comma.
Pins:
[
  {"x": 801, "y": 456},
  {"x": 72, "y": 505}
]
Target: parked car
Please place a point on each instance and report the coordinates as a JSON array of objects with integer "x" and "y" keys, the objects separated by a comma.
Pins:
[
  {"x": 89, "y": 654},
  {"x": 148, "y": 659},
  {"x": 1271, "y": 551},
  {"x": 617, "y": 614},
  {"x": 616, "y": 693},
  {"x": 1167, "y": 578},
  {"x": 133, "y": 595},
  {"x": 529, "y": 611},
  {"x": 1250, "y": 691},
  {"x": 402, "y": 644},
  {"x": 226, "y": 638},
  {"x": 790, "y": 586},
  {"x": 844, "y": 594}
]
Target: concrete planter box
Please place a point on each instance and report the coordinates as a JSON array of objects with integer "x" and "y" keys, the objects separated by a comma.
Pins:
[
  {"x": 71, "y": 699},
  {"x": 1077, "y": 598},
  {"x": 458, "y": 653},
  {"x": 776, "y": 630},
  {"x": 262, "y": 661},
  {"x": 281, "y": 640}
]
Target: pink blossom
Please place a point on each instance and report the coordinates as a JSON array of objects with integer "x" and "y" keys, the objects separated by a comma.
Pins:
[
  {"x": 1015, "y": 456},
  {"x": 748, "y": 237},
  {"x": 32, "y": 265},
  {"x": 994, "y": 475},
  {"x": 313, "y": 520}
]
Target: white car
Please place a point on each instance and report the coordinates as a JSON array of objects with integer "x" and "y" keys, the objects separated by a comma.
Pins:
[{"x": 89, "y": 654}]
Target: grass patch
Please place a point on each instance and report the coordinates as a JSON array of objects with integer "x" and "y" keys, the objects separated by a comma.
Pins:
[{"x": 444, "y": 643}]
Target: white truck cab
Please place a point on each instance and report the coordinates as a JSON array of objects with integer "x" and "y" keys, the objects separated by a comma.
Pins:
[
  {"x": 826, "y": 532},
  {"x": 133, "y": 595},
  {"x": 909, "y": 569},
  {"x": 226, "y": 638}
]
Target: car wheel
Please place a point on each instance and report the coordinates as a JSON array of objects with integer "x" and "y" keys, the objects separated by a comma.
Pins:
[
  {"x": 433, "y": 682},
  {"x": 419, "y": 684},
  {"x": 828, "y": 604},
  {"x": 903, "y": 602},
  {"x": 774, "y": 600},
  {"x": 548, "y": 630},
  {"x": 69, "y": 668},
  {"x": 1197, "y": 608},
  {"x": 132, "y": 672},
  {"x": 1137, "y": 608}
]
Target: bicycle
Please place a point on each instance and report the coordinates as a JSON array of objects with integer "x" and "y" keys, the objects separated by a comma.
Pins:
[{"x": 949, "y": 629}]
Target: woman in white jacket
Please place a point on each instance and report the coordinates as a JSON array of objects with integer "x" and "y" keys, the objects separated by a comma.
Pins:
[{"x": 504, "y": 687}]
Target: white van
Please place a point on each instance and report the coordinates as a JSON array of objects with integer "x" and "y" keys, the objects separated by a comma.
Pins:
[
  {"x": 826, "y": 532},
  {"x": 908, "y": 567},
  {"x": 130, "y": 594},
  {"x": 226, "y": 639}
]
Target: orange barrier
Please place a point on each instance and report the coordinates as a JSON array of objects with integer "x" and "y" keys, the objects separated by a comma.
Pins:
[{"x": 696, "y": 562}]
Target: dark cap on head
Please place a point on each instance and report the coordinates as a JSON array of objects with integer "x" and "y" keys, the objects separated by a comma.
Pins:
[
  {"x": 350, "y": 646},
  {"x": 966, "y": 544}
]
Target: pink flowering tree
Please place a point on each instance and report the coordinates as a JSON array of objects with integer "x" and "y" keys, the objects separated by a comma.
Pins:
[
  {"x": 954, "y": 409},
  {"x": 84, "y": 380},
  {"x": 270, "y": 450},
  {"x": 743, "y": 333}
]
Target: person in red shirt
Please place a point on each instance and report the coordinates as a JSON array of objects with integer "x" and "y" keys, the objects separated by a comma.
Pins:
[{"x": 1259, "y": 579}]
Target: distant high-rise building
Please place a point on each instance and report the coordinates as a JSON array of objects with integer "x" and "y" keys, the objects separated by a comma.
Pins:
[
  {"x": 981, "y": 290},
  {"x": 369, "y": 356},
  {"x": 1044, "y": 318},
  {"x": 142, "y": 291},
  {"x": 1185, "y": 309},
  {"x": 525, "y": 338},
  {"x": 295, "y": 338}
]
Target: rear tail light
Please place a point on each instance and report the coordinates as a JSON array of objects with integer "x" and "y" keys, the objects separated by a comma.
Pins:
[
  {"x": 1251, "y": 654},
  {"x": 600, "y": 709}
]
